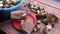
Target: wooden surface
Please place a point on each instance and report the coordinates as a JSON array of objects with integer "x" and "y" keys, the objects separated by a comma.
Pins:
[{"x": 7, "y": 27}]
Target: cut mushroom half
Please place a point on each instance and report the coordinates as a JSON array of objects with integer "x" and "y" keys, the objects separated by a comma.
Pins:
[
  {"x": 38, "y": 12},
  {"x": 49, "y": 27},
  {"x": 35, "y": 29},
  {"x": 24, "y": 15},
  {"x": 38, "y": 26},
  {"x": 45, "y": 31}
]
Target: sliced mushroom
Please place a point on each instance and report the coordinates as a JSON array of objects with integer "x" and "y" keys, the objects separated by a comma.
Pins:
[
  {"x": 38, "y": 11},
  {"x": 49, "y": 27},
  {"x": 38, "y": 26},
  {"x": 35, "y": 29},
  {"x": 31, "y": 5},
  {"x": 33, "y": 10},
  {"x": 45, "y": 31},
  {"x": 44, "y": 21}
]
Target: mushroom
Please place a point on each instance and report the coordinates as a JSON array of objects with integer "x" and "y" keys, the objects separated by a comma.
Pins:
[
  {"x": 38, "y": 21},
  {"x": 38, "y": 11},
  {"x": 45, "y": 31},
  {"x": 1, "y": 5},
  {"x": 1, "y": 2},
  {"x": 35, "y": 29},
  {"x": 40, "y": 16},
  {"x": 38, "y": 26},
  {"x": 49, "y": 27},
  {"x": 8, "y": 3},
  {"x": 54, "y": 18},
  {"x": 24, "y": 14},
  {"x": 51, "y": 19}
]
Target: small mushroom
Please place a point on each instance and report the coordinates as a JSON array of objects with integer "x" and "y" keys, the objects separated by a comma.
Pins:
[
  {"x": 45, "y": 31},
  {"x": 44, "y": 13},
  {"x": 38, "y": 26},
  {"x": 1, "y": 2},
  {"x": 40, "y": 16},
  {"x": 42, "y": 8},
  {"x": 49, "y": 27},
  {"x": 38, "y": 12},
  {"x": 48, "y": 19},
  {"x": 31, "y": 6},
  {"x": 1, "y": 5},
  {"x": 38, "y": 8},
  {"x": 24, "y": 14},
  {"x": 35, "y": 29},
  {"x": 54, "y": 18},
  {"x": 38, "y": 21},
  {"x": 7, "y": 1},
  {"x": 14, "y": 2},
  {"x": 33, "y": 10},
  {"x": 23, "y": 17},
  {"x": 11, "y": 5},
  {"x": 6, "y": 6},
  {"x": 18, "y": 0},
  {"x": 44, "y": 21}
]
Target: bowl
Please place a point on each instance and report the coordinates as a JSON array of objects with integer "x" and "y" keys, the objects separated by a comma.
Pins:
[
  {"x": 57, "y": 1},
  {"x": 14, "y": 8}
]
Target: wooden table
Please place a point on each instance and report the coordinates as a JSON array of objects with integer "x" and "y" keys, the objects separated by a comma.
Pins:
[{"x": 49, "y": 6}]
